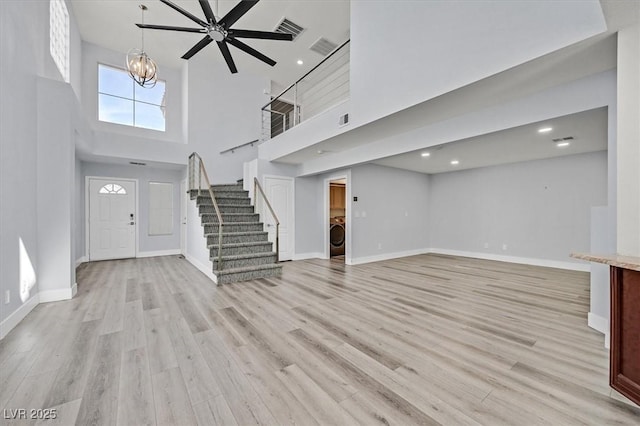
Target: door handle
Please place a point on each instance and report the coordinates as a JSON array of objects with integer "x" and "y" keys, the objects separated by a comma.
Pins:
[{"x": 132, "y": 223}]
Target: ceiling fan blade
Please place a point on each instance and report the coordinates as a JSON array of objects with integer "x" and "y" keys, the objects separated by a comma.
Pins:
[
  {"x": 251, "y": 51},
  {"x": 168, "y": 28},
  {"x": 206, "y": 8},
  {"x": 265, "y": 35},
  {"x": 197, "y": 47},
  {"x": 184, "y": 12},
  {"x": 227, "y": 56},
  {"x": 237, "y": 12}
]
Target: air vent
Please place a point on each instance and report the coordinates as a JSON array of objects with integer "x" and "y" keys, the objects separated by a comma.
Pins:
[
  {"x": 323, "y": 46},
  {"x": 288, "y": 27},
  {"x": 136, "y": 163},
  {"x": 344, "y": 119},
  {"x": 566, "y": 138}
]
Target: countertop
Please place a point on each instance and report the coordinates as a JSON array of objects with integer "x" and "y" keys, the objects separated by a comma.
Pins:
[{"x": 627, "y": 262}]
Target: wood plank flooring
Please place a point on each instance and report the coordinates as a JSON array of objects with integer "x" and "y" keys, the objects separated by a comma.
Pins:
[{"x": 420, "y": 340}]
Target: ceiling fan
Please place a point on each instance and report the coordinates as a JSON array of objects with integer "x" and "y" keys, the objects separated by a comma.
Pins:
[{"x": 220, "y": 31}]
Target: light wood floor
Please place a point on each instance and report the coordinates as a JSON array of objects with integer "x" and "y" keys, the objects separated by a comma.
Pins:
[{"x": 420, "y": 340}]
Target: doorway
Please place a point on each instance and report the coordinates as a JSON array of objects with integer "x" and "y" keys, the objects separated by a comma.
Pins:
[
  {"x": 337, "y": 219},
  {"x": 112, "y": 218}
]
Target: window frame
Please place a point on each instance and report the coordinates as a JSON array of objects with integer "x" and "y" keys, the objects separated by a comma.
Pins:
[{"x": 132, "y": 100}]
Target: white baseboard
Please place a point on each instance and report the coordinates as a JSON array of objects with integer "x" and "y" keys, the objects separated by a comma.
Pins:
[
  {"x": 571, "y": 266},
  {"x": 74, "y": 290},
  {"x": 58, "y": 295},
  {"x": 305, "y": 256},
  {"x": 18, "y": 315},
  {"x": 205, "y": 269},
  {"x": 600, "y": 324},
  {"x": 385, "y": 256},
  {"x": 172, "y": 252},
  {"x": 81, "y": 260}
]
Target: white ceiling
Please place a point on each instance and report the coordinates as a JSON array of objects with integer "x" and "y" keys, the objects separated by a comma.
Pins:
[
  {"x": 524, "y": 143},
  {"x": 111, "y": 24}
]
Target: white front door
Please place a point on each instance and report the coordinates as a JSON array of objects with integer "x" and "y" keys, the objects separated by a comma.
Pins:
[
  {"x": 112, "y": 219},
  {"x": 280, "y": 191}
]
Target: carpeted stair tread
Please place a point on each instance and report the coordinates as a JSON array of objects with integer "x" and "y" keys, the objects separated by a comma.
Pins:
[
  {"x": 247, "y": 269},
  {"x": 234, "y": 223},
  {"x": 233, "y": 245},
  {"x": 245, "y": 256},
  {"x": 235, "y": 234}
]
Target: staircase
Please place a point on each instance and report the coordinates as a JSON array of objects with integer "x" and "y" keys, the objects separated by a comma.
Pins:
[{"x": 246, "y": 252}]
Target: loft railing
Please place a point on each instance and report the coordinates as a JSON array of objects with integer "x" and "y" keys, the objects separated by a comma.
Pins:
[
  {"x": 196, "y": 168},
  {"x": 324, "y": 86},
  {"x": 257, "y": 189}
]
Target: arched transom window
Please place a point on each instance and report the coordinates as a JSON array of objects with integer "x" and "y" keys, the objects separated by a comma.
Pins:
[{"x": 112, "y": 188}]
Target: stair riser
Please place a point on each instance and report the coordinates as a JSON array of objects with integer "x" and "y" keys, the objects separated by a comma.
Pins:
[
  {"x": 231, "y": 227},
  {"x": 213, "y": 218},
  {"x": 226, "y": 209},
  {"x": 227, "y": 188},
  {"x": 206, "y": 201},
  {"x": 229, "y": 251},
  {"x": 239, "y": 263},
  {"x": 230, "y": 239},
  {"x": 230, "y": 194},
  {"x": 247, "y": 276}
]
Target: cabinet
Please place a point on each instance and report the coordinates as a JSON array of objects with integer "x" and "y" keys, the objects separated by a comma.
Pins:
[
  {"x": 624, "y": 374},
  {"x": 337, "y": 196}
]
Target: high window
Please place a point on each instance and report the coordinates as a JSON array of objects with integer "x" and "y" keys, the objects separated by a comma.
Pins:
[
  {"x": 59, "y": 36},
  {"x": 122, "y": 101}
]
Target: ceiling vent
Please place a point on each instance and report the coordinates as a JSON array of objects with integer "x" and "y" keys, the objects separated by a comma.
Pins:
[
  {"x": 566, "y": 138},
  {"x": 289, "y": 27},
  {"x": 137, "y": 163},
  {"x": 323, "y": 46}
]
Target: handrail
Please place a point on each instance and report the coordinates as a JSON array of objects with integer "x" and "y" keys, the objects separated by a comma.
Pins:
[
  {"x": 256, "y": 186},
  {"x": 240, "y": 146},
  {"x": 333, "y": 52},
  {"x": 203, "y": 171}
]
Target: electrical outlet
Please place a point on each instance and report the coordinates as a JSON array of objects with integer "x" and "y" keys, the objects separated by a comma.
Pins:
[
  {"x": 486, "y": 245},
  {"x": 406, "y": 214},
  {"x": 7, "y": 297},
  {"x": 364, "y": 214},
  {"x": 504, "y": 246},
  {"x": 379, "y": 246}
]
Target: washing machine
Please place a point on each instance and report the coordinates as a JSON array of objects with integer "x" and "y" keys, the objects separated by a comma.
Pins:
[{"x": 337, "y": 236}]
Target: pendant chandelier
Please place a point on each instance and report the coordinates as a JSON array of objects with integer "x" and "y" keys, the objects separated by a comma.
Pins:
[{"x": 142, "y": 69}]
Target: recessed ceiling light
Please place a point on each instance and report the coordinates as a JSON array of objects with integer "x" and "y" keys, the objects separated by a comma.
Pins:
[
  {"x": 425, "y": 154},
  {"x": 300, "y": 62},
  {"x": 454, "y": 162},
  {"x": 545, "y": 129},
  {"x": 320, "y": 151},
  {"x": 562, "y": 144}
]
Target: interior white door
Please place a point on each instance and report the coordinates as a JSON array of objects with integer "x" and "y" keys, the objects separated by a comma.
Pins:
[
  {"x": 112, "y": 219},
  {"x": 183, "y": 216},
  {"x": 280, "y": 192}
]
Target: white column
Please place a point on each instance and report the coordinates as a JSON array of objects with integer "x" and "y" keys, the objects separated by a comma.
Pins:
[{"x": 628, "y": 146}]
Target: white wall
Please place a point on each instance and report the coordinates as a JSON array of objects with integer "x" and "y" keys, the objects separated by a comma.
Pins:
[
  {"x": 389, "y": 73},
  {"x": 78, "y": 220},
  {"x": 390, "y": 218},
  {"x": 224, "y": 112},
  {"x": 628, "y": 172},
  {"x": 147, "y": 244},
  {"x": 540, "y": 209},
  {"x": 55, "y": 167},
  {"x": 25, "y": 63},
  {"x": 310, "y": 218}
]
